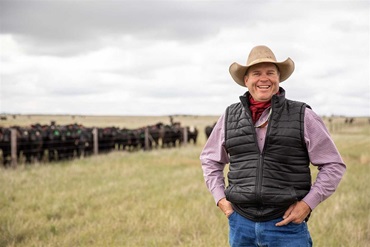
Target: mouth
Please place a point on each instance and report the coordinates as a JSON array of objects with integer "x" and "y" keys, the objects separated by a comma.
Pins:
[{"x": 263, "y": 87}]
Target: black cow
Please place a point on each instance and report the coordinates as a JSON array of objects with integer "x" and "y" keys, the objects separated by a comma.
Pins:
[
  {"x": 68, "y": 146},
  {"x": 52, "y": 138},
  {"x": 155, "y": 134},
  {"x": 33, "y": 150},
  {"x": 106, "y": 139},
  {"x": 5, "y": 135},
  {"x": 171, "y": 135},
  {"x": 28, "y": 144},
  {"x": 192, "y": 134},
  {"x": 208, "y": 130},
  {"x": 138, "y": 139},
  {"x": 123, "y": 139},
  {"x": 84, "y": 141}
]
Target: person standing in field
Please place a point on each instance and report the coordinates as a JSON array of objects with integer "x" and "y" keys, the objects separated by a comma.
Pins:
[{"x": 269, "y": 142}]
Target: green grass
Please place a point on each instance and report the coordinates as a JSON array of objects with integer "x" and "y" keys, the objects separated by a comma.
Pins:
[{"x": 158, "y": 198}]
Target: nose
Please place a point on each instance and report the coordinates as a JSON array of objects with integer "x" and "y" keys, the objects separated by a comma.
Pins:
[{"x": 264, "y": 78}]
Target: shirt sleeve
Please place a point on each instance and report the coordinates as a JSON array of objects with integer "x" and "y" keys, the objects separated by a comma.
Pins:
[
  {"x": 323, "y": 154},
  {"x": 214, "y": 158}
]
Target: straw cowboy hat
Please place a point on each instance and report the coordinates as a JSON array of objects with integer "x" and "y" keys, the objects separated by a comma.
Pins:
[{"x": 261, "y": 54}]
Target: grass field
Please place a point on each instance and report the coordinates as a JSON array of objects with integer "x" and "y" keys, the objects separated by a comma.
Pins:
[{"x": 157, "y": 198}]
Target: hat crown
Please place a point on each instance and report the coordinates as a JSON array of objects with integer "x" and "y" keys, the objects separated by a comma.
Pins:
[{"x": 259, "y": 54}]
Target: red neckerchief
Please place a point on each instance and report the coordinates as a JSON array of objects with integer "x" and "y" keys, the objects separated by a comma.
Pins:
[{"x": 257, "y": 108}]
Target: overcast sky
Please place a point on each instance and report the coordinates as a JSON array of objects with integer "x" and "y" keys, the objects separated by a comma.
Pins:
[{"x": 138, "y": 57}]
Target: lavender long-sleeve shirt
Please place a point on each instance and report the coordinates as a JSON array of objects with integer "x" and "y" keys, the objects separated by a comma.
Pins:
[{"x": 320, "y": 146}]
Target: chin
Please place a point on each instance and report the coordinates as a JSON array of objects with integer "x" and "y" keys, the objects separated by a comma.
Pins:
[{"x": 263, "y": 99}]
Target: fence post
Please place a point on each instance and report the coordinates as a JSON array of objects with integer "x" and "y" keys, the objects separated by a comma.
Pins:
[
  {"x": 185, "y": 135},
  {"x": 13, "y": 147},
  {"x": 146, "y": 138},
  {"x": 95, "y": 138}
]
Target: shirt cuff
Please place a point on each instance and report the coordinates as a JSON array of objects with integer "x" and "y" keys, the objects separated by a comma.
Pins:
[
  {"x": 312, "y": 199},
  {"x": 218, "y": 194}
]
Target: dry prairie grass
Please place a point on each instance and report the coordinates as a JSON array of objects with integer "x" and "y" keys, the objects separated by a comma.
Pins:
[{"x": 158, "y": 198}]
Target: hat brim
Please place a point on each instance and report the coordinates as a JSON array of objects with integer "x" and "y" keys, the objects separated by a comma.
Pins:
[{"x": 238, "y": 71}]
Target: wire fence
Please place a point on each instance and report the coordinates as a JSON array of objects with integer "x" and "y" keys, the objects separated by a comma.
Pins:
[{"x": 54, "y": 143}]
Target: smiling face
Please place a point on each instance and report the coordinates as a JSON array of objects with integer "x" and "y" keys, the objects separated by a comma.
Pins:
[{"x": 262, "y": 81}]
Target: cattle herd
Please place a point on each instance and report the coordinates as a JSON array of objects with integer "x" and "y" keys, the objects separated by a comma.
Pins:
[
  {"x": 48, "y": 143},
  {"x": 54, "y": 142}
]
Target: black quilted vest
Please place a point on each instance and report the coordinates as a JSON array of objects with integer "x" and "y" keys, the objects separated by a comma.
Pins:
[{"x": 263, "y": 184}]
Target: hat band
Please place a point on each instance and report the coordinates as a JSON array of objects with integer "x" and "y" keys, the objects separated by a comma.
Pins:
[{"x": 262, "y": 60}]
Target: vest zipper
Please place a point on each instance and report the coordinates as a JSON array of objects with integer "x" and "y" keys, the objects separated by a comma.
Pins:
[
  {"x": 259, "y": 173},
  {"x": 259, "y": 176}
]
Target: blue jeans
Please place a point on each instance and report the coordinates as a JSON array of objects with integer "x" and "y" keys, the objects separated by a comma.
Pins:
[{"x": 244, "y": 232}]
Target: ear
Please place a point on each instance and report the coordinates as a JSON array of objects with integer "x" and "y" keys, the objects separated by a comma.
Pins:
[{"x": 246, "y": 80}]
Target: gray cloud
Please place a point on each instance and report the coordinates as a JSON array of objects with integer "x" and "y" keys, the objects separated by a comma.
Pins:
[
  {"x": 69, "y": 26},
  {"x": 173, "y": 56}
]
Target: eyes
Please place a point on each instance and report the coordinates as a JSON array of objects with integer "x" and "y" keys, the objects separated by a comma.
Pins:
[{"x": 259, "y": 73}]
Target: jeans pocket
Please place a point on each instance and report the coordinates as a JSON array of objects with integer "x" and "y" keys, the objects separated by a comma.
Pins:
[{"x": 231, "y": 215}]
